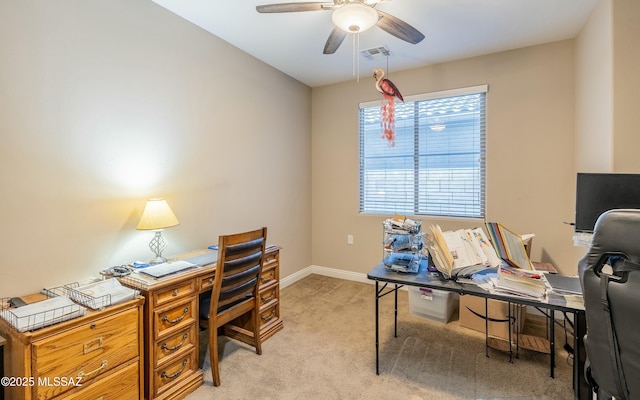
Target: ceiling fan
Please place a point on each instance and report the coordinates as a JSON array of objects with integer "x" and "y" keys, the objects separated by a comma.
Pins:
[{"x": 350, "y": 16}]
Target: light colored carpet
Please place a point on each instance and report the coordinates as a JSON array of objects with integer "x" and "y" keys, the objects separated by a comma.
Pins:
[{"x": 327, "y": 351}]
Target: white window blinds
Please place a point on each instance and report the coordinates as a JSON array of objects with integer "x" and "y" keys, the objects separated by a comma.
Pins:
[{"x": 437, "y": 165}]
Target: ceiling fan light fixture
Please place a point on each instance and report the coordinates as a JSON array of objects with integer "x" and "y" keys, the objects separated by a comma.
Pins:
[{"x": 354, "y": 17}]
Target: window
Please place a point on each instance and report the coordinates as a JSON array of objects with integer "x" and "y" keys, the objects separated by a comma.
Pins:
[{"x": 436, "y": 166}]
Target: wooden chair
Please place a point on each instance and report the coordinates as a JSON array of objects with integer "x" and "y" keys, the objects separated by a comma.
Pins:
[{"x": 235, "y": 288}]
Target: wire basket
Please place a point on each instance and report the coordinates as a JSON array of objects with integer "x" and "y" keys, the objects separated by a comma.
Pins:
[
  {"x": 101, "y": 294},
  {"x": 54, "y": 309},
  {"x": 134, "y": 282}
]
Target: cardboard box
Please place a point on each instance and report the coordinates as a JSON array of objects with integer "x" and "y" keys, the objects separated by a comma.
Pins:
[
  {"x": 436, "y": 305},
  {"x": 497, "y": 310}
]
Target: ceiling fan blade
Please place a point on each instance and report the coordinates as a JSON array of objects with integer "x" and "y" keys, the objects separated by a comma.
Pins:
[
  {"x": 398, "y": 28},
  {"x": 336, "y": 37},
  {"x": 294, "y": 7}
]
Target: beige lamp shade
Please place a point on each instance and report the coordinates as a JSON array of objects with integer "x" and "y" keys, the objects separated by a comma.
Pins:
[{"x": 157, "y": 215}]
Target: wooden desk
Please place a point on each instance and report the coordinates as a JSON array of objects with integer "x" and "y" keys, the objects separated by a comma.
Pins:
[
  {"x": 171, "y": 315},
  {"x": 101, "y": 350}
]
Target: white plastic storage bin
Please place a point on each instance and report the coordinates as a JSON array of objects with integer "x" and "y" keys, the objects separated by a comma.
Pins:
[{"x": 436, "y": 305}]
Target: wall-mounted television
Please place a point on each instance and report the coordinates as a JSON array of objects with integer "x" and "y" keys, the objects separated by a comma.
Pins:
[{"x": 600, "y": 192}]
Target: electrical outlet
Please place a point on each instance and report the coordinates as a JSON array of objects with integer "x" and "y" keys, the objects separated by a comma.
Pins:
[{"x": 349, "y": 239}]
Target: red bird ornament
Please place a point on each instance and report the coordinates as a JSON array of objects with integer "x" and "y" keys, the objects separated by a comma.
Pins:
[{"x": 387, "y": 108}]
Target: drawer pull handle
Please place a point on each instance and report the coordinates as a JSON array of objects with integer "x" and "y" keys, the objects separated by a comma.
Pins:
[
  {"x": 267, "y": 299},
  {"x": 180, "y": 318},
  {"x": 175, "y": 374},
  {"x": 268, "y": 317},
  {"x": 264, "y": 280},
  {"x": 210, "y": 280},
  {"x": 175, "y": 292},
  {"x": 176, "y": 347},
  {"x": 92, "y": 345},
  {"x": 83, "y": 374}
]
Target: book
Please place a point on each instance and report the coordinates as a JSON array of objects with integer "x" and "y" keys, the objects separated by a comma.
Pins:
[
  {"x": 509, "y": 246},
  {"x": 461, "y": 252}
]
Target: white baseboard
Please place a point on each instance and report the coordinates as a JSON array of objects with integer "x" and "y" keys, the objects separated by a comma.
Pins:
[{"x": 318, "y": 270}]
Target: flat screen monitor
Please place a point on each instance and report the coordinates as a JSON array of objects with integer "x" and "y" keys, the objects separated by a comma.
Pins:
[{"x": 600, "y": 192}]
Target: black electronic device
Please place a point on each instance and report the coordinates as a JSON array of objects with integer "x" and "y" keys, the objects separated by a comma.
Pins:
[
  {"x": 17, "y": 302},
  {"x": 600, "y": 192}
]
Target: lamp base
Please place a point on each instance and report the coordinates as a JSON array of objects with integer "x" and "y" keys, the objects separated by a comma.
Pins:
[
  {"x": 156, "y": 245},
  {"x": 157, "y": 260}
]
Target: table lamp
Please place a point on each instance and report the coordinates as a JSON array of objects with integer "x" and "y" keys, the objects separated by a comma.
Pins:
[{"x": 157, "y": 216}]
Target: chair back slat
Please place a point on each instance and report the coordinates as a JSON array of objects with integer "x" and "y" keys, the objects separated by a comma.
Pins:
[
  {"x": 237, "y": 292},
  {"x": 240, "y": 265}
]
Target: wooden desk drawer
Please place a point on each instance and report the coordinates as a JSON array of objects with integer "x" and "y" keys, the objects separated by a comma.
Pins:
[
  {"x": 122, "y": 384},
  {"x": 206, "y": 282},
  {"x": 179, "y": 342},
  {"x": 270, "y": 314},
  {"x": 270, "y": 258},
  {"x": 89, "y": 351},
  {"x": 268, "y": 293},
  {"x": 174, "y": 293},
  {"x": 174, "y": 371},
  {"x": 269, "y": 274},
  {"x": 175, "y": 318}
]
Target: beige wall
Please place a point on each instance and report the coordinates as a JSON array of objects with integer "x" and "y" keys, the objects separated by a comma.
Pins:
[
  {"x": 530, "y": 147},
  {"x": 106, "y": 103},
  {"x": 607, "y": 89},
  {"x": 626, "y": 85},
  {"x": 594, "y": 93}
]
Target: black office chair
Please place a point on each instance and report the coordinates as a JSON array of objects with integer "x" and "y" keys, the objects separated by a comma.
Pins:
[
  {"x": 610, "y": 276},
  {"x": 235, "y": 289}
]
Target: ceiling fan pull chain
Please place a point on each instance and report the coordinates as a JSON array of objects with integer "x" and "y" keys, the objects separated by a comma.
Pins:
[
  {"x": 353, "y": 56},
  {"x": 356, "y": 55}
]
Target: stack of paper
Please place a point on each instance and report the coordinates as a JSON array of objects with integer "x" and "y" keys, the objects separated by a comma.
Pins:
[
  {"x": 43, "y": 313},
  {"x": 102, "y": 294},
  {"x": 401, "y": 225},
  {"x": 164, "y": 269},
  {"x": 520, "y": 282}
]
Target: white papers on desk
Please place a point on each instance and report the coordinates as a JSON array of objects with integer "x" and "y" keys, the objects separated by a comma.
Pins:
[
  {"x": 164, "y": 269},
  {"x": 43, "y": 313},
  {"x": 520, "y": 282},
  {"x": 102, "y": 294},
  {"x": 566, "y": 289}
]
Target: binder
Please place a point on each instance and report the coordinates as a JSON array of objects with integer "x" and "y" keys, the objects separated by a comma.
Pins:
[{"x": 509, "y": 246}]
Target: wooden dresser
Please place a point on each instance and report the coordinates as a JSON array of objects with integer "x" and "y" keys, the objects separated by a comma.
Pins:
[
  {"x": 95, "y": 356},
  {"x": 171, "y": 315}
]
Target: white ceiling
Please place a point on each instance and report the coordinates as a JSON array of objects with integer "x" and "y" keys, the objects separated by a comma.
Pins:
[{"x": 454, "y": 29}]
